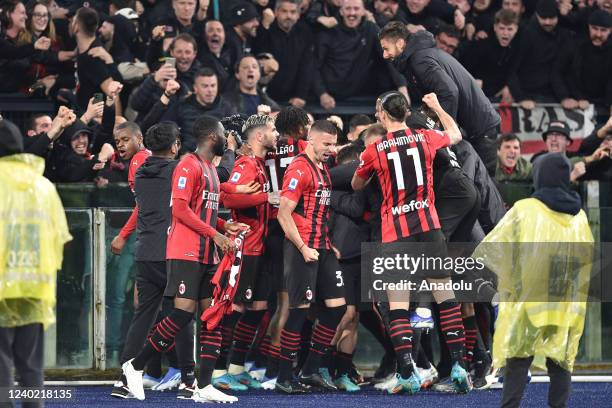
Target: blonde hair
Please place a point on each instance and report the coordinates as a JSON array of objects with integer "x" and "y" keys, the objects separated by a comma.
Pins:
[{"x": 27, "y": 36}]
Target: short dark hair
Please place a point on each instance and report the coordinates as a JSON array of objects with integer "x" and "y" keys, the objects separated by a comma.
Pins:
[
  {"x": 324, "y": 126},
  {"x": 254, "y": 122},
  {"x": 130, "y": 126},
  {"x": 88, "y": 20},
  {"x": 348, "y": 153},
  {"x": 161, "y": 136},
  {"x": 205, "y": 72},
  {"x": 359, "y": 120},
  {"x": 450, "y": 30},
  {"x": 506, "y": 17},
  {"x": 507, "y": 137},
  {"x": 291, "y": 120},
  {"x": 31, "y": 122},
  {"x": 205, "y": 127},
  {"x": 184, "y": 37},
  {"x": 395, "y": 105},
  {"x": 394, "y": 30}
]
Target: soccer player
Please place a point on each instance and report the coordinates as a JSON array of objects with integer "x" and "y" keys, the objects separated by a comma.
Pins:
[
  {"x": 152, "y": 190},
  {"x": 292, "y": 124},
  {"x": 311, "y": 268},
  {"x": 191, "y": 259},
  {"x": 254, "y": 210},
  {"x": 403, "y": 162}
]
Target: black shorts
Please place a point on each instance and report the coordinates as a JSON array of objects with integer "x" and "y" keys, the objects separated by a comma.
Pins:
[
  {"x": 351, "y": 273},
  {"x": 253, "y": 284},
  {"x": 273, "y": 257},
  {"x": 436, "y": 247},
  {"x": 189, "y": 280},
  {"x": 308, "y": 282}
]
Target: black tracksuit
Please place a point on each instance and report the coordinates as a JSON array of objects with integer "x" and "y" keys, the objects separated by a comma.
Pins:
[
  {"x": 153, "y": 188},
  {"x": 349, "y": 63},
  {"x": 223, "y": 65},
  {"x": 584, "y": 72},
  {"x": 539, "y": 52},
  {"x": 493, "y": 64},
  {"x": 294, "y": 52},
  {"x": 429, "y": 69}
]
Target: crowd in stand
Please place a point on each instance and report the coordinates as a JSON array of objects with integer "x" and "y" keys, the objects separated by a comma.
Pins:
[{"x": 117, "y": 60}]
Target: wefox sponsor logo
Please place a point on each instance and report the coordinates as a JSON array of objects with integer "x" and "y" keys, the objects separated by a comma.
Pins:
[{"x": 410, "y": 207}]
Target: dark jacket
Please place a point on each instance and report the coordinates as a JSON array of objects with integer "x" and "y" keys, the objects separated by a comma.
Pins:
[
  {"x": 601, "y": 169},
  {"x": 294, "y": 52},
  {"x": 347, "y": 226},
  {"x": 186, "y": 111},
  {"x": 493, "y": 64},
  {"x": 223, "y": 65},
  {"x": 584, "y": 72},
  {"x": 348, "y": 59},
  {"x": 144, "y": 97},
  {"x": 14, "y": 62},
  {"x": 153, "y": 188},
  {"x": 539, "y": 51},
  {"x": 434, "y": 13},
  {"x": 429, "y": 69},
  {"x": 492, "y": 207},
  {"x": 235, "y": 99}
]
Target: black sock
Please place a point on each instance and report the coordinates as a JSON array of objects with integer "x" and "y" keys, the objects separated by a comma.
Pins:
[
  {"x": 272, "y": 363},
  {"x": 227, "y": 333},
  {"x": 290, "y": 343},
  {"x": 305, "y": 335},
  {"x": 344, "y": 361},
  {"x": 210, "y": 348},
  {"x": 154, "y": 367},
  {"x": 471, "y": 335},
  {"x": 163, "y": 336},
  {"x": 244, "y": 333},
  {"x": 370, "y": 320},
  {"x": 322, "y": 336},
  {"x": 401, "y": 334},
  {"x": 451, "y": 326}
]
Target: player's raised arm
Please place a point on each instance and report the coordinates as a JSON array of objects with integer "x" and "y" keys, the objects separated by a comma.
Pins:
[{"x": 448, "y": 123}]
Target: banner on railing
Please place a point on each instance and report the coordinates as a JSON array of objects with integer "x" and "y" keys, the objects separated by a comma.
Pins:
[{"x": 530, "y": 124}]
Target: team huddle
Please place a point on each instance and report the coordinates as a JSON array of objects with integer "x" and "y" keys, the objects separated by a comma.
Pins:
[{"x": 298, "y": 302}]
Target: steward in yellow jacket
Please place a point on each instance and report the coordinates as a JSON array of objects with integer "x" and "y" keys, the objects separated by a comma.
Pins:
[{"x": 542, "y": 253}]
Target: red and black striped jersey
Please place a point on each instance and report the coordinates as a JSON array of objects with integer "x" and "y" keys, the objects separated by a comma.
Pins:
[
  {"x": 195, "y": 181},
  {"x": 278, "y": 161},
  {"x": 310, "y": 187},
  {"x": 403, "y": 162},
  {"x": 251, "y": 209}
]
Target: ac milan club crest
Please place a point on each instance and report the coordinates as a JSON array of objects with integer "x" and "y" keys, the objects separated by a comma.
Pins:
[
  {"x": 182, "y": 288},
  {"x": 248, "y": 294},
  {"x": 308, "y": 294}
]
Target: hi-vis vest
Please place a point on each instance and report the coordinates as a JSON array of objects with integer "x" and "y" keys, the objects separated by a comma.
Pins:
[
  {"x": 33, "y": 231},
  {"x": 543, "y": 260}
]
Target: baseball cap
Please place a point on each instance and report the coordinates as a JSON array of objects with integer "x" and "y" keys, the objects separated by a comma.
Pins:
[
  {"x": 558, "y": 126},
  {"x": 11, "y": 140},
  {"x": 241, "y": 13},
  {"x": 547, "y": 8}
]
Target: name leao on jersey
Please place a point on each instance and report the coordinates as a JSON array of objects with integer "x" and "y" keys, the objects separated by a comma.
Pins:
[
  {"x": 285, "y": 149},
  {"x": 324, "y": 195},
  {"x": 400, "y": 141},
  {"x": 211, "y": 199}
]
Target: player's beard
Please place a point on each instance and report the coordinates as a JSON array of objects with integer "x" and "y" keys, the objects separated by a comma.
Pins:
[{"x": 219, "y": 147}]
